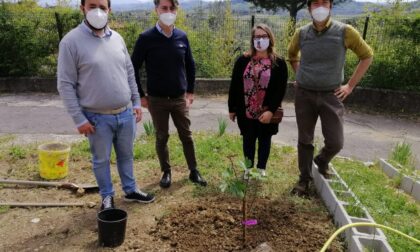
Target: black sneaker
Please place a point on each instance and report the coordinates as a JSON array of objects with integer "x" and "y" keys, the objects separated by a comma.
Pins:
[
  {"x": 107, "y": 203},
  {"x": 139, "y": 196}
]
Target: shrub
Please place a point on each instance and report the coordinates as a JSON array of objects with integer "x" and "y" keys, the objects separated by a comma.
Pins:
[{"x": 30, "y": 38}]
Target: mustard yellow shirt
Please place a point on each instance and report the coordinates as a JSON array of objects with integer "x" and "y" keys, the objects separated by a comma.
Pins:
[{"x": 352, "y": 41}]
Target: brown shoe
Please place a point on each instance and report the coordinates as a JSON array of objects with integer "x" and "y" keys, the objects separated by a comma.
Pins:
[
  {"x": 322, "y": 168},
  {"x": 326, "y": 174},
  {"x": 301, "y": 189}
]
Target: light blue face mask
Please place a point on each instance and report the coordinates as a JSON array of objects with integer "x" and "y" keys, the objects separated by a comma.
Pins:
[{"x": 261, "y": 44}]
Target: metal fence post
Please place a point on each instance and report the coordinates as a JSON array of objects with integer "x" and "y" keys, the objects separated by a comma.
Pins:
[
  {"x": 366, "y": 27},
  {"x": 252, "y": 21},
  {"x": 59, "y": 26}
]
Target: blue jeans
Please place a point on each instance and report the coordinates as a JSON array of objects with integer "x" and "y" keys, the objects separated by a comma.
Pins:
[{"x": 118, "y": 130}]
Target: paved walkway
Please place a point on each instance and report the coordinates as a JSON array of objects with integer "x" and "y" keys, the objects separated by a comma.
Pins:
[{"x": 41, "y": 117}]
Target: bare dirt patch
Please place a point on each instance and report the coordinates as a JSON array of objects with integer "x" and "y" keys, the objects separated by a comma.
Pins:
[
  {"x": 214, "y": 225},
  {"x": 183, "y": 218}
]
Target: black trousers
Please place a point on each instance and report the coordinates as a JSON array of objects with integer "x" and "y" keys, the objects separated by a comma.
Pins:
[{"x": 252, "y": 132}]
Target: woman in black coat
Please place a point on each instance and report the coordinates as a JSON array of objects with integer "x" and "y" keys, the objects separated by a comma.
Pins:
[{"x": 257, "y": 88}]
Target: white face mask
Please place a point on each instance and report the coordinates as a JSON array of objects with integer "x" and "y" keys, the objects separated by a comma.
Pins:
[
  {"x": 320, "y": 14},
  {"x": 167, "y": 18},
  {"x": 97, "y": 18},
  {"x": 261, "y": 44}
]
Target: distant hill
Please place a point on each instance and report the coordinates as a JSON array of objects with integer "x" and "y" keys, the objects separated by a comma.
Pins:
[
  {"x": 349, "y": 8},
  {"x": 238, "y": 6}
]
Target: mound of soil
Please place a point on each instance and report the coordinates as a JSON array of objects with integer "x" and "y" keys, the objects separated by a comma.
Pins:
[{"x": 214, "y": 224}]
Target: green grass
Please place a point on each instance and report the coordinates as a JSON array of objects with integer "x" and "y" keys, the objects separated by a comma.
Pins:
[
  {"x": 402, "y": 154},
  {"x": 149, "y": 129},
  {"x": 371, "y": 186},
  {"x": 383, "y": 201},
  {"x": 222, "y": 123},
  {"x": 402, "y": 158},
  {"x": 4, "y": 209},
  {"x": 17, "y": 152},
  {"x": 80, "y": 150},
  {"x": 355, "y": 210},
  {"x": 4, "y": 139},
  {"x": 213, "y": 152},
  {"x": 337, "y": 186},
  {"x": 345, "y": 198}
]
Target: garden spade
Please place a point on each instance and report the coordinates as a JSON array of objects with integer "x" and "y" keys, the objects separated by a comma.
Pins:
[{"x": 80, "y": 188}]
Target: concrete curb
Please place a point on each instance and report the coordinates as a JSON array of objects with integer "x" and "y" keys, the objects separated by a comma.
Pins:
[
  {"x": 388, "y": 168},
  {"x": 366, "y": 231},
  {"x": 416, "y": 191},
  {"x": 338, "y": 197},
  {"x": 408, "y": 184},
  {"x": 362, "y": 244}
]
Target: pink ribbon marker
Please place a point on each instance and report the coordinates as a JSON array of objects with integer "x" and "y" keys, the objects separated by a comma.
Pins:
[{"x": 250, "y": 222}]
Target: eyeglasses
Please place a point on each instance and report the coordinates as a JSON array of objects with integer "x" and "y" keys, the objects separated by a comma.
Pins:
[
  {"x": 261, "y": 36},
  {"x": 166, "y": 8}
]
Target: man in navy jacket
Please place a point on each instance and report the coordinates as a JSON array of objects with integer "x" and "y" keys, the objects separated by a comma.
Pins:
[{"x": 170, "y": 70}]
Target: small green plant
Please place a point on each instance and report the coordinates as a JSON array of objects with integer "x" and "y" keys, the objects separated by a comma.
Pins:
[
  {"x": 17, "y": 152},
  {"x": 222, "y": 126},
  {"x": 355, "y": 210},
  {"x": 397, "y": 180},
  {"x": 234, "y": 183},
  {"x": 402, "y": 158},
  {"x": 345, "y": 197},
  {"x": 149, "y": 128},
  {"x": 402, "y": 154}
]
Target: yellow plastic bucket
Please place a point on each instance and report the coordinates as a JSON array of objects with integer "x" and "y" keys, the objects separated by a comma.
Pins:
[{"x": 53, "y": 160}]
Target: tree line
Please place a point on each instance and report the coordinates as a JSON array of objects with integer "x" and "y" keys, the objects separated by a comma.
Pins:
[{"x": 30, "y": 36}]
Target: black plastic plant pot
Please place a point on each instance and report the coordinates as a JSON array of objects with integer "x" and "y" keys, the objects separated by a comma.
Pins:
[{"x": 111, "y": 227}]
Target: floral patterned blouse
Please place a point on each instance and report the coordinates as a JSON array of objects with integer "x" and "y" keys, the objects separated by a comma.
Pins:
[{"x": 256, "y": 77}]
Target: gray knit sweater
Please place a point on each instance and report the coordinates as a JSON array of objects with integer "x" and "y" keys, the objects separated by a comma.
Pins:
[
  {"x": 322, "y": 57},
  {"x": 95, "y": 73}
]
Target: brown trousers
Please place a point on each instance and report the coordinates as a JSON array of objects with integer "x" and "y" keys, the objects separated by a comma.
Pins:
[
  {"x": 160, "y": 109},
  {"x": 309, "y": 105}
]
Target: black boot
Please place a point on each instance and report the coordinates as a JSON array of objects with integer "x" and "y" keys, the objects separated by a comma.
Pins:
[
  {"x": 165, "y": 181},
  {"x": 301, "y": 189},
  {"x": 196, "y": 178}
]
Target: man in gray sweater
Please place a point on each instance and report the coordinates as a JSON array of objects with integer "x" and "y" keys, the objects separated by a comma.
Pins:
[
  {"x": 97, "y": 84},
  {"x": 319, "y": 91}
]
